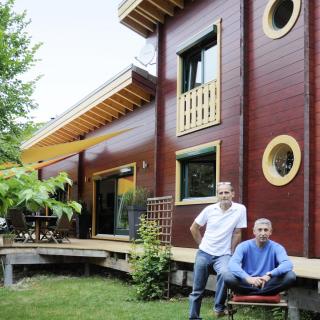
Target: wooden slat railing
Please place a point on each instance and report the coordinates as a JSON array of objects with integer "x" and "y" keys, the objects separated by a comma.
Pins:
[{"x": 198, "y": 108}]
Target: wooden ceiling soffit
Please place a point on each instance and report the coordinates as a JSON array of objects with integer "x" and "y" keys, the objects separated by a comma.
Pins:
[
  {"x": 68, "y": 134},
  {"x": 92, "y": 120},
  {"x": 142, "y": 16},
  {"x": 118, "y": 102},
  {"x": 138, "y": 93},
  {"x": 108, "y": 112},
  {"x": 129, "y": 97},
  {"x": 102, "y": 117},
  {"x": 129, "y": 89}
]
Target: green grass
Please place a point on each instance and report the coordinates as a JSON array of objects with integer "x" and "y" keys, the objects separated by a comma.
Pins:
[{"x": 94, "y": 297}]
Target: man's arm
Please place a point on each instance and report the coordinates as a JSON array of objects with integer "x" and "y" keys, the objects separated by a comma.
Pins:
[
  {"x": 235, "y": 266},
  {"x": 195, "y": 231},
  {"x": 282, "y": 258},
  {"x": 236, "y": 239}
]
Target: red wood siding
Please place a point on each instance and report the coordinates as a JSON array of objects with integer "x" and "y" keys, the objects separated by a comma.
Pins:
[
  {"x": 316, "y": 222},
  {"x": 275, "y": 107},
  {"x": 69, "y": 166},
  {"x": 186, "y": 23},
  {"x": 133, "y": 146}
]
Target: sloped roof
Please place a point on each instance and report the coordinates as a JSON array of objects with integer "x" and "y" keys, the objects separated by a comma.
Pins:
[
  {"x": 142, "y": 16},
  {"x": 128, "y": 90}
]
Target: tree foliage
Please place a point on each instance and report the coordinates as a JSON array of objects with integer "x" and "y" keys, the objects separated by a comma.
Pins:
[
  {"x": 17, "y": 56},
  {"x": 22, "y": 189}
]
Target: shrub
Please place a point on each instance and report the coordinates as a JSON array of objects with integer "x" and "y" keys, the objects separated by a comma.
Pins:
[
  {"x": 150, "y": 262},
  {"x": 136, "y": 197}
]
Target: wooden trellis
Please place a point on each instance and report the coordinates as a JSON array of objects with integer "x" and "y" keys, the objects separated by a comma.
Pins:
[{"x": 160, "y": 210}]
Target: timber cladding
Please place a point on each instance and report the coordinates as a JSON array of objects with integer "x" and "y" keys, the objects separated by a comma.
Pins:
[
  {"x": 316, "y": 66},
  {"x": 68, "y": 165},
  {"x": 275, "y": 99},
  {"x": 197, "y": 16},
  {"x": 275, "y": 107},
  {"x": 136, "y": 146}
]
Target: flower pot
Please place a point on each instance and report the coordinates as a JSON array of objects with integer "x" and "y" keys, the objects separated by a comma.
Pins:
[
  {"x": 7, "y": 240},
  {"x": 134, "y": 214}
]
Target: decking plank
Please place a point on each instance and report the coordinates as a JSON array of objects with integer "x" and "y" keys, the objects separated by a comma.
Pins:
[{"x": 303, "y": 267}]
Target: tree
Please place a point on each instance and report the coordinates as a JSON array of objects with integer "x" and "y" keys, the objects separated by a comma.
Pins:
[
  {"x": 17, "y": 56},
  {"x": 22, "y": 189}
]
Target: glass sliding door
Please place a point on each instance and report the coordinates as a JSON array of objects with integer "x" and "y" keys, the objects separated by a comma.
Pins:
[{"x": 111, "y": 215}]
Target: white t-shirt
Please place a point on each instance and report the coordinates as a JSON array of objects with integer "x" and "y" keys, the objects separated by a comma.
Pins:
[{"x": 220, "y": 226}]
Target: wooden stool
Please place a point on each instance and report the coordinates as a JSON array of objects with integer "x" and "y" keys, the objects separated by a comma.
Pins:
[{"x": 274, "y": 301}]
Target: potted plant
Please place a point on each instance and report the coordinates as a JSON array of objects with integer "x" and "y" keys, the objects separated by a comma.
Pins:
[
  {"x": 8, "y": 239},
  {"x": 84, "y": 221},
  {"x": 135, "y": 201}
]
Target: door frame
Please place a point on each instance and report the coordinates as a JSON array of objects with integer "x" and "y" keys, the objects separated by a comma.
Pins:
[{"x": 104, "y": 174}]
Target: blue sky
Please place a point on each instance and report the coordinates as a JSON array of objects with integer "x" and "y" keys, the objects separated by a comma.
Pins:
[{"x": 84, "y": 45}]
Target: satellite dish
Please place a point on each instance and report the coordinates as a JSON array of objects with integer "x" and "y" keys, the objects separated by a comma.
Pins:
[{"x": 146, "y": 55}]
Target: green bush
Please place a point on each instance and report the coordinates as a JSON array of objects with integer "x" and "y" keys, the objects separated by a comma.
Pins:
[
  {"x": 136, "y": 197},
  {"x": 150, "y": 262}
]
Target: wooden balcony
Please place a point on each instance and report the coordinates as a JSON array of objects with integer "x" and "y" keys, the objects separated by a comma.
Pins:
[{"x": 198, "y": 108}]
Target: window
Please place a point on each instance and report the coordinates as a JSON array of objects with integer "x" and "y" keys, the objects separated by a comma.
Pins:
[
  {"x": 200, "y": 64},
  {"x": 282, "y": 13},
  {"x": 280, "y": 16},
  {"x": 197, "y": 173},
  {"x": 198, "y": 81},
  {"x": 281, "y": 160}
]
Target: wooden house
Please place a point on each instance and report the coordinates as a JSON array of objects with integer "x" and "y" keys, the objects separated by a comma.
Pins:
[{"x": 235, "y": 99}]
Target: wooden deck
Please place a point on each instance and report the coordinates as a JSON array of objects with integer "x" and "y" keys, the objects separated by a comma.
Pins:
[{"x": 92, "y": 248}]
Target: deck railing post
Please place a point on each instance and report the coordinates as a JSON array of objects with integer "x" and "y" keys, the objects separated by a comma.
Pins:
[{"x": 8, "y": 274}]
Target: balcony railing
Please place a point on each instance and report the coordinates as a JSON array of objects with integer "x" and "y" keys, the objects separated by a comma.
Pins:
[{"x": 198, "y": 108}]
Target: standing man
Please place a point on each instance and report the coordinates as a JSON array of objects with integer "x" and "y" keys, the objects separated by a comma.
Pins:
[
  {"x": 260, "y": 266},
  {"x": 223, "y": 222}
]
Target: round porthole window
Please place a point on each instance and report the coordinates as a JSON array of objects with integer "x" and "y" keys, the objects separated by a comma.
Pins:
[
  {"x": 280, "y": 16},
  {"x": 281, "y": 160}
]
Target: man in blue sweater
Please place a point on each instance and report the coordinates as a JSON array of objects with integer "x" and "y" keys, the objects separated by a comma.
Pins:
[{"x": 260, "y": 266}]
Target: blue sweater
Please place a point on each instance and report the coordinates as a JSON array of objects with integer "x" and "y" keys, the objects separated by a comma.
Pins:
[{"x": 250, "y": 260}]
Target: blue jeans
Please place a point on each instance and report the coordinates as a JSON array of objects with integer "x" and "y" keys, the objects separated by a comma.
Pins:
[
  {"x": 203, "y": 263},
  {"x": 273, "y": 286}
]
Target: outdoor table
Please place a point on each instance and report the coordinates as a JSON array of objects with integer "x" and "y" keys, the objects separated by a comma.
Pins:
[{"x": 38, "y": 222}]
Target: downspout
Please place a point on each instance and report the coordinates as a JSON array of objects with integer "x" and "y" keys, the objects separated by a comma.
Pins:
[
  {"x": 157, "y": 108},
  {"x": 308, "y": 155},
  {"x": 243, "y": 149}
]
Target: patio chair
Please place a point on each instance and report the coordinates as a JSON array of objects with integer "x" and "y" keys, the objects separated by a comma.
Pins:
[
  {"x": 271, "y": 301},
  {"x": 23, "y": 231},
  {"x": 59, "y": 232}
]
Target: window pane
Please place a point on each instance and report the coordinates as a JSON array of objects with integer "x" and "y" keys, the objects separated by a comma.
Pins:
[
  {"x": 210, "y": 64},
  {"x": 193, "y": 71},
  {"x": 199, "y": 177},
  {"x": 124, "y": 184}
]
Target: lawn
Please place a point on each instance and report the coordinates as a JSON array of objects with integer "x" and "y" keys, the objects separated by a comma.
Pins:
[{"x": 83, "y": 298}]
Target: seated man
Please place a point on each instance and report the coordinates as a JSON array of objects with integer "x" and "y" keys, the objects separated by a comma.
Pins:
[{"x": 260, "y": 266}]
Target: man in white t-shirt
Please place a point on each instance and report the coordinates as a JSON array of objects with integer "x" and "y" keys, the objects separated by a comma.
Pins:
[{"x": 223, "y": 221}]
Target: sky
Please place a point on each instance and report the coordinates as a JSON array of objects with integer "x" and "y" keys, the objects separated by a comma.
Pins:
[{"x": 84, "y": 45}]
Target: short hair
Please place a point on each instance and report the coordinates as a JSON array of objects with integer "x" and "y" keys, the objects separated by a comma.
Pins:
[
  {"x": 222, "y": 183},
  {"x": 262, "y": 221}
]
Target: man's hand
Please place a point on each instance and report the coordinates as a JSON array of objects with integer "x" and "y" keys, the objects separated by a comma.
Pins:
[
  {"x": 256, "y": 281},
  {"x": 265, "y": 279}
]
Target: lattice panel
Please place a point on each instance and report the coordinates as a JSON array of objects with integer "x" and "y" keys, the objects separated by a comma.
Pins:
[{"x": 160, "y": 210}]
